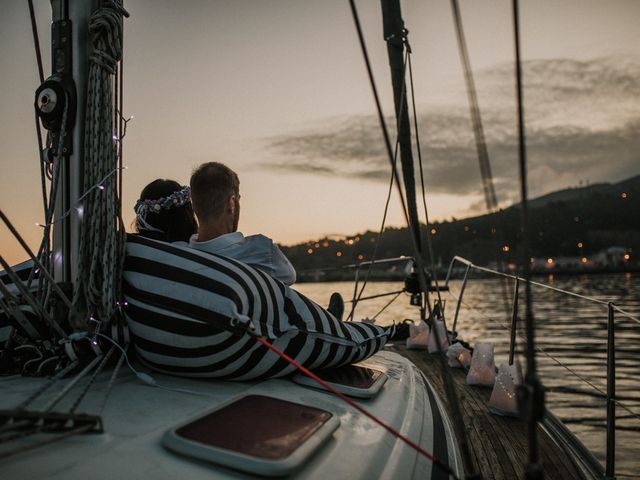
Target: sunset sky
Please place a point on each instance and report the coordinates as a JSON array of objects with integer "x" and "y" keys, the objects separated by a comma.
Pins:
[{"x": 277, "y": 90}]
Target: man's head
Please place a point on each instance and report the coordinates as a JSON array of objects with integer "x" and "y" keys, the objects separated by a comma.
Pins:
[{"x": 215, "y": 195}]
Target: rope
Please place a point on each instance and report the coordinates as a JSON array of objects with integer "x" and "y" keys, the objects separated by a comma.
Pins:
[
  {"x": 91, "y": 380},
  {"x": 47, "y": 385},
  {"x": 102, "y": 235},
  {"x": 72, "y": 384},
  {"x": 112, "y": 380},
  {"x": 359, "y": 408}
]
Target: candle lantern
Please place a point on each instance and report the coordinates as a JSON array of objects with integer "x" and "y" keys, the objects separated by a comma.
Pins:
[
  {"x": 504, "y": 399},
  {"x": 483, "y": 368}
]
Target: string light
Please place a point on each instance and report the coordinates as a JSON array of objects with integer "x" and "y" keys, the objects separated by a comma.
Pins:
[{"x": 78, "y": 205}]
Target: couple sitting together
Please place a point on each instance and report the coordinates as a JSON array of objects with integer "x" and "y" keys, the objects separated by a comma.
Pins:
[{"x": 165, "y": 211}]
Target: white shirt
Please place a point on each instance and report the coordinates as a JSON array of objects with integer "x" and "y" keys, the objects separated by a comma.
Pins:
[{"x": 255, "y": 250}]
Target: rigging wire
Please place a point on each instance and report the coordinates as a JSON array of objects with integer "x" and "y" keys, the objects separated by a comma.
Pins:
[
  {"x": 532, "y": 388},
  {"x": 26, "y": 248},
  {"x": 481, "y": 144},
  {"x": 434, "y": 273},
  {"x": 449, "y": 388},
  {"x": 355, "y": 300},
  {"x": 36, "y": 40}
]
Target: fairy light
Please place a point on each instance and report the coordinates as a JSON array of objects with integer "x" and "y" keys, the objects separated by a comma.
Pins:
[{"x": 78, "y": 206}]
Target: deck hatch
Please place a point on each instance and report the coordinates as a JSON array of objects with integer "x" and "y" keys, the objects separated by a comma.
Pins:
[
  {"x": 258, "y": 434},
  {"x": 353, "y": 380}
]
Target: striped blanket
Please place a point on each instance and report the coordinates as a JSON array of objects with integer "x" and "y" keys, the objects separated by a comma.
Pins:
[{"x": 182, "y": 305}]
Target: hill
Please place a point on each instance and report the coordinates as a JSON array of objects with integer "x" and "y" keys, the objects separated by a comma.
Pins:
[{"x": 575, "y": 222}]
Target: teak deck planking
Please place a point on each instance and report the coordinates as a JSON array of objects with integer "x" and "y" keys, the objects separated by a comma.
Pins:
[{"x": 499, "y": 445}]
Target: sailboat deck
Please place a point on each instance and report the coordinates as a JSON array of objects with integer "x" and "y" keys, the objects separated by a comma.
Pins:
[{"x": 498, "y": 444}]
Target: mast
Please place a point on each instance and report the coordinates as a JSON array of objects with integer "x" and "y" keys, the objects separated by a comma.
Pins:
[
  {"x": 395, "y": 35},
  {"x": 60, "y": 103}
]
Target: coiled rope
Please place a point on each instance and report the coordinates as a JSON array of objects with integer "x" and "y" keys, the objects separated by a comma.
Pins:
[{"x": 101, "y": 249}]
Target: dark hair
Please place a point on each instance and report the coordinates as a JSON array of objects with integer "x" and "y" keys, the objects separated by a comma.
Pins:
[
  {"x": 211, "y": 184},
  {"x": 176, "y": 223}
]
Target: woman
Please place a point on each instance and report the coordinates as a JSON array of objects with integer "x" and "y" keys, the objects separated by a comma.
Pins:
[{"x": 164, "y": 212}]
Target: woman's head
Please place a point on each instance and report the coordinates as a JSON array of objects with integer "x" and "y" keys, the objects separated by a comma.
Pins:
[{"x": 164, "y": 212}]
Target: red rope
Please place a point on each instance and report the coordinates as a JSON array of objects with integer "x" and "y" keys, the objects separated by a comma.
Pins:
[{"x": 343, "y": 397}]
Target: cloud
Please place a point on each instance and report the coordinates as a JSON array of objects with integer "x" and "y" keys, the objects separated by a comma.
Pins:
[{"x": 582, "y": 122}]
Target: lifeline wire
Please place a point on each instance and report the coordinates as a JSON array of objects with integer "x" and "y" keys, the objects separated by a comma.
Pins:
[{"x": 551, "y": 357}]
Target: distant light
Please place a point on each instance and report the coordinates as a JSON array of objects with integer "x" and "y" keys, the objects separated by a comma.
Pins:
[
  {"x": 580, "y": 244},
  {"x": 532, "y": 260},
  {"x": 317, "y": 245},
  {"x": 493, "y": 231},
  {"x": 310, "y": 251},
  {"x": 624, "y": 195},
  {"x": 626, "y": 257},
  {"x": 433, "y": 231},
  {"x": 349, "y": 242},
  {"x": 576, "y": 219},
  {"x": 402, "y": 256},
  {"x": 584, "y": 260},
  {"x": 360, "y": 257},
  {"x": 101, "y": 187},
  {"x": 505, "y": 248},
  {"x": 80, "y": 210},
  {"x": 549, "y": 261},
  {"x": 338, "y": 254},
  {"x": 466, "y": 228},
  {"x": 357, "y": 239},
  {"x": 325, "y": 244}
]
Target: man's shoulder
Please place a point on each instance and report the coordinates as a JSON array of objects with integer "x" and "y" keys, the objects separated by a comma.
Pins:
[{"x": 259, "y": 238}]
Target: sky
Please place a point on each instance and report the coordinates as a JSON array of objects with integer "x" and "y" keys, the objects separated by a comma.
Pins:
[{"x": 277, "y": 90}]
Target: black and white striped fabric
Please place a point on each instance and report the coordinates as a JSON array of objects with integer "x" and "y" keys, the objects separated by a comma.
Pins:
[{"x": 181, "y": 303}]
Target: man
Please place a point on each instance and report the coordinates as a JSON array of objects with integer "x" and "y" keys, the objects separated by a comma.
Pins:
[{"x": 215, "y": 196}]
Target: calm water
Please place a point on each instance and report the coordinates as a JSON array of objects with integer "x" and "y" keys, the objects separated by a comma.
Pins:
[{"x": 571, "y": 332}]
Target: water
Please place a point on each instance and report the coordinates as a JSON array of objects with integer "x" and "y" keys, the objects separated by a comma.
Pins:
[{"x": 572, "y": 336}]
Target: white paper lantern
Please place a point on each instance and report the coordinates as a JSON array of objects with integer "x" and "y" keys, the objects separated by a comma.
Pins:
[
  {"x": 483, "y": 367},
  {"x": 442, "y": 335},
  {"x": 418, "y": 336},
  {"x": 459, "y": 357},
  {"x": 504, "y": 399}
]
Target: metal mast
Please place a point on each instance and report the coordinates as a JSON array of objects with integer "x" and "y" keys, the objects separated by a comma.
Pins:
[
  {"x": 60, "y": 104},
  {"x": 395, "y": 36}
]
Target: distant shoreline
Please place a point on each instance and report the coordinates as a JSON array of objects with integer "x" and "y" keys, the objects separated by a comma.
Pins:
[{"x": 476, "y": 275}]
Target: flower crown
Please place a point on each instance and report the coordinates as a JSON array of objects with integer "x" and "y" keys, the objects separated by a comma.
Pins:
[{"x": 176, "y": 199}]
